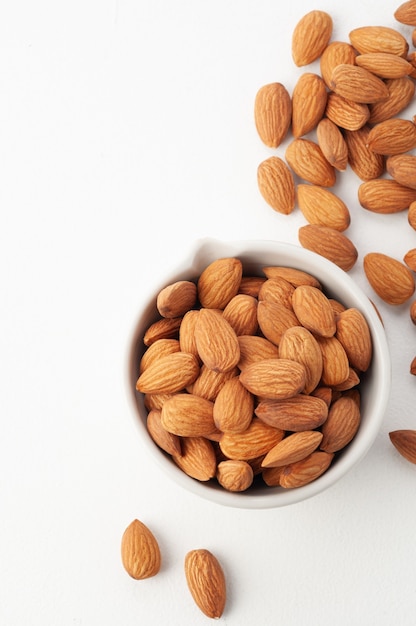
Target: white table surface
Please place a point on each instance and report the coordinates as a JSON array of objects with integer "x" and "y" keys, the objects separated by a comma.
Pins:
[{"x": 126, "y": 134}]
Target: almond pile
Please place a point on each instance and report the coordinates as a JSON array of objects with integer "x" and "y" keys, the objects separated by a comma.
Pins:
[
  {"x": 350, "y": 114},
  {"x": 253, "y": 379}
]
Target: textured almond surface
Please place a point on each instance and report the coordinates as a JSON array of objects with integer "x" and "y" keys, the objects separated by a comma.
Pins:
[
  {"x": 299, "y": 413},
  {"x": 305, "y": 471},
  {"x": 293, "y": 448},
  {"x": 405, "y": 443},
  {"x": 308, "y": 103},
  {"x": 332, "y": 144},
  {"x": 357, "y": 84},
  {"x": 216, "y": 341},
  {"x": 206, "y": 582},
  {"x": 298, "y": 344},
  {"x": 219, "y": 282},
  {"x": 329, "y": 243},
  {"x": 310, "y": 37},
  {"x": 306, "y": 159},
  {"x": 314, "y": 311},
  {"x": 392, "y": 281},
  {"x": 140, "y": 551},
  {"x": 367, "y": 39},
  {"x": 321, "y": 206},
  {"x": 272, "y": 113},
  {"x": 274, "y": 378},
  {"x": 276, "y": 184},
  {"x": 169, "y": 374}
]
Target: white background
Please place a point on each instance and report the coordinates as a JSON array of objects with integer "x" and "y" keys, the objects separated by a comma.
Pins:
[{"x": 127, "y": 134}]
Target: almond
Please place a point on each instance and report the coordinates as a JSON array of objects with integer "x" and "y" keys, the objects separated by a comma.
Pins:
[
  {"x": 176, "y": 299},
  {"x": 274, "y": 378},
  {"x": 272, "y": 113},
  {"x": 364, "y": 162},
  {"x": 354, "y": 334},
  {"x": 233, "y": 407},
  {"x": 405, "y": 443},
  {"x": 401, "y": 92},
  {"x": 206, "y": 582},
  {"x": 335, "y": 364},
  {"x": 411, "y": 215},
  {"x": 250, "y": 285},
  {"x": 329, "y": 243},
  {"x": 155, "y": 401},
  {"x": 271, "y": 476},
  {"x": 274, "y": 319},
  {"x": 298, "y": 344},
  {"x": 321, "y": 206},
  {"x": 295, "y": 414},
  {"x": 253, "y": 348},
  {"x": 167, "y": 441},
  {"x": 197, "y": 458},
  {"x": 158, "y": 349},
  {"x": 169, "y": 374},
  {"x": 310, "y": 37},
  {"x": 187, "y": 341},
  {"x": 277, "y": 290},
  {"x": 307, "y": 161},
  {"x": 216, "y": 341},
  {"x": 241, "y": 314},
  {"x": 341, "y": 425},
  {"x": 357, "y": 84},
  {"x": 276, "y": 184},
  {"x": 187, "y": 415},
  {"x": 385, "y": 195},
  {"x": 406, "y": 13},
  {"x": 140, "y": 551},
  {"x": 305, "y": 471},
  {"x": 166, "y": 328},
  {"x": 346, "y": 113},
  {"x": 235, "y": 475},
  {"x": 392, "y": 281},
  {"x": 336, "y": 53},
  {"x": 314, "y": 311},
  {"x": 384, "y": 64},
  {"x": 308, "y": 103},
  {"x": 219, "y": 282},
  {"x": 255, "y": 441},
  {"x": 367, "y": 39},
  {"x": 292, "y": 275},
  {"x": 410, "y": 259},
  {"x": 293, "y": 448},
  {"x": 332, "y": 143},
  {"x": 402, "y": 167},
  {"x": 209, "y": 382},
  {"x": 392, "y": 136}
]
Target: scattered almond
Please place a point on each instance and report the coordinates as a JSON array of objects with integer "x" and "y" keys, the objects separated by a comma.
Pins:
[
  {"x": 392, "y": 281},
  {"x": 307, "y": 160},
  {"x": 140, "y": 551},
  {"x": 329, "y": 243},
  {"x": 310, "y": 37},
  {"x": 405, "y": 443},
  {"x": 272, "y": 113},
  {"x": 206, "y": 582},
  {"x": 385, "y": 195},
  {"x": 308, "y": 103},
  {"x": 276, "y": 184}
]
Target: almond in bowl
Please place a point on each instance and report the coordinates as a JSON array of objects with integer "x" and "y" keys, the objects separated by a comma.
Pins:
[{"x": 269, "y": 380}]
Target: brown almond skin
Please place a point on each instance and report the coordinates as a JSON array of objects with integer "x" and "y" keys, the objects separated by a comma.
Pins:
[
  {"x": 332, "y": 143},
  {"x": 298, "y": 344},
  {"x": 410, "y": 259},
  {"x": 276, "y": 184},
  {"x": 233, "y": 407},
  {"x": 335, "y": 368},
  {"x": 392, "y": 281},
  {"x": 336, "y": 53},
  {"x": 393, "y": 136},
  {"x": 367, "y": 39},
  {"x": 206, "y": 582},
  {"x": 411, "y": 215},
  {"x": 321, "y": 206},
  {"x": 277, "y": 290},
  {"x": 308, "y": 103},
  {"x": 254, "y": 348},
  {"x": 167, "y": 441},
  {"x": 272, "y": 113},
  {"x": 345, "y": 113},
  {"x": 274, "y": 319},
  {"x": 306, "y": 159},
  {"x": 402, "y": 167},
  {"x": 310, "y": 37},
  {"x": 354, "y": 334},
  {"x": 197, "y": 458},
  {"x": 159, "y": 349},
  {"x": 235, "y": 475},
  {"x": 188, "y": 415},
  {"x": 405, "y": 443},
  {"x": 209, "y": 382},
  {"x": 305, "y": 471},
  {"x": 176, "y": 299},
  {"x": 140, "y": 551},
  {"x": 365, "y": 163},
  {"x": 314, "y": 311},
  {"x": 401, "y": 92},
  {"x": 254, "y": 442},
  {"x": 219, "y": 282},
  {"x": 329, "y": 243},
  {"x": 406, "y": 13},
  {"x": 216, "y": 341},
  {"x": 241, "y": 314},
  {"x": 169, "y": 374},
  {"x": 341, "y": 425},
  {"x": 295, "y": 414},
  {"x": 293, "y": 448},
  {"x": 274, "y": 378},
  {"x": 294, "y": 276},
  {"x": 384, "y": 64},
  {"x": 385, "y": 195},
  {"x": 357, "y": 84},
  {"x": 164, "y": 328}
]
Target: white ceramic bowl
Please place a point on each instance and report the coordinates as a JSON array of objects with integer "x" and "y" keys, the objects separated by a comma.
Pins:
[{"x": 375, "y": 384}]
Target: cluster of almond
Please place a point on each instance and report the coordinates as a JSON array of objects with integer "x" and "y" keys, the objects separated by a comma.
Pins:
[
  {"x": 349, "y": 114},
  {"x": 253, "y": 377}
]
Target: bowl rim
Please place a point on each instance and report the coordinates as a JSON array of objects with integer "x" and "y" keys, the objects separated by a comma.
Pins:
[{"x": 205, "y": 249}]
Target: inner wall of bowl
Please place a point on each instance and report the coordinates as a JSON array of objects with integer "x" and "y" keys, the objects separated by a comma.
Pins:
[{"x": 337, "y": 284}]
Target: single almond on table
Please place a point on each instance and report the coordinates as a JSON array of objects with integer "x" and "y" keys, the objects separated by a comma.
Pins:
[
  {"x": 410, "y": 259},
  {"x": 406, "y": 13},
  {"x": 336, "y": 53},
  {"x": 308, "y": 103},
  {"x": 367, "y": 39},
  {"x": 295, "y": 414},
  {"x": 346, "y": 113},
  {"x": 365, "y": 163},
  {"x": 354, "y": 334},
  {"x": 321, "y": 206},
  {"x": 392, "y": 136},
  {"x": 169, "y": 374},
  {"x": 293, "y": 448},
  {"x": 305, "y": 471},
  {"x": 341, "y": 425},
  {"x": 272, "y": 113},
  {"x": 307, "y": 160},
  {"x": 405, "y": 443},
  {"x": 274, "y": 378},
  {"x": 310, "y": 37},
  {"x": 332, "y": 143},
  {"x": 254, "y": 442},
  {"x": 276, "y": 184},
  {"x": 329, "y": 243},
  {"x": 392, "y": 281},
  {"x": 187, "y": 415},
  {"x": 219, "y": 282},
  {"x": 385, "y": 195},
  {"x": 298, "y": 344},
  {"x": 384, "y": 64},
  {"x": 206, "y": 582},
  {"x": 216, "y": 341},
  {"x": 402, "y": 167},
  {"x": 357, "y": 84},
  {"x": 197, "y": 458},
  {"x": 314, "y": 311},
  {"x": 233, "y": 407},
  {"x": 209, "y": 382},
  {"x": 140, "y": 551},
  {"x": 401, "y": 92},
  {"x": 235, "y": 475},
  {"x": 176, "y": 299}
]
